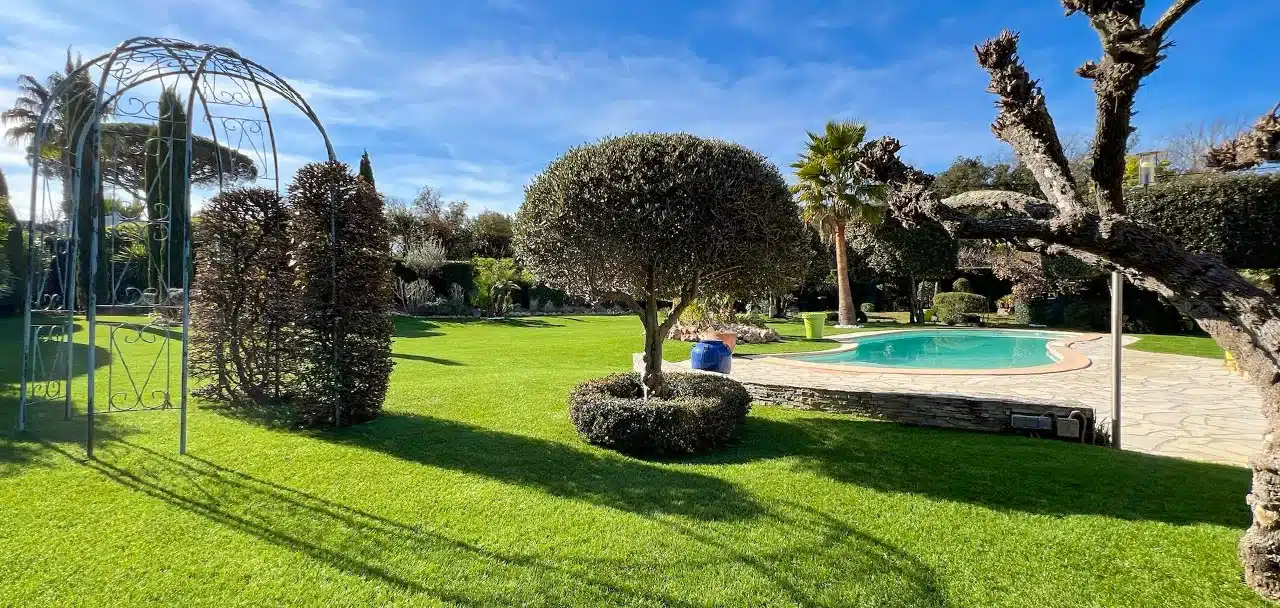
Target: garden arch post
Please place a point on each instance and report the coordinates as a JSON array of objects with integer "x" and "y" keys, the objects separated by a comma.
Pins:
[{"x": 115, "y": 159}]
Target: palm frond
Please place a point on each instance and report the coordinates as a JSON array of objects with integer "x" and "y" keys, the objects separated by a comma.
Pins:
[{"x": 828, "y": 187}]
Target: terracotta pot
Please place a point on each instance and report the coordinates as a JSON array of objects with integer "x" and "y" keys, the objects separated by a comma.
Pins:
[{"x": 729, "y": 338}]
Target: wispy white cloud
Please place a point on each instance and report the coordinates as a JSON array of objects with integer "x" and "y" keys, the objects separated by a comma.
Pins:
[{"x": 475, "y": 115}]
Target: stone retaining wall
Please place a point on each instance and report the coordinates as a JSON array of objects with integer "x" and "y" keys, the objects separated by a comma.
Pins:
[{"x": 989, "y": 414}]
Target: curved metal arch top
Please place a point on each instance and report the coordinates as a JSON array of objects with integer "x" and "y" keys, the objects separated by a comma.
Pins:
[{"x": 112, "y": 133}]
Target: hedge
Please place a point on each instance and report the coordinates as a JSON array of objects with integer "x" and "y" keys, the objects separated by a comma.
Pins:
[
  {"x": 344, "y": 320},
  {"x": 703, "y": 412},
  {"x": 952, "y": 306},
  {"x": 1234, "y": 216}
]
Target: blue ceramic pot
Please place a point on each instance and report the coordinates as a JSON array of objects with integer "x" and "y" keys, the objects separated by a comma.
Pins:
[{"x": 711, "y": 355}]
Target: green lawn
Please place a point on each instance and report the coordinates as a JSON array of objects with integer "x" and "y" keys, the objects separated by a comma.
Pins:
[
  {"x": 1195, "y": 346},
  {"x": 473, "y": 489}
]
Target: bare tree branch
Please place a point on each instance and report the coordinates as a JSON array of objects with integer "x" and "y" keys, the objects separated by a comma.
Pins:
[
  {"x": 1001, "y": 201},
  {"x": 1251, "y": 149},
  {"x": 1024, "y": 121},
  {"x": 1130, "y": 52},
  {"x": 1171, "y": 16}
]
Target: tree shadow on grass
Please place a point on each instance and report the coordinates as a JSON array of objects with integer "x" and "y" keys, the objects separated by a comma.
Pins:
[
  {"x": 426, "y": 359},
  {"x": 777, "y": 553},
  {"x": 817, "y": 541},
  {"x": 1001, "y": 472},
  {"x": 599, "y": 478},
  {"x": 517, "y": 322},
  {"x": 415, "y": 327},
  {"x": 355, "y": 541}
]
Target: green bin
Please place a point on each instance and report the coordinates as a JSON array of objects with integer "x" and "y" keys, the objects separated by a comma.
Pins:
[{"x": 813, "y": 324}]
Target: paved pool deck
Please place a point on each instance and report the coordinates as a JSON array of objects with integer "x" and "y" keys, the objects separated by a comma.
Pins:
[{"x": 1173, "y": 405}]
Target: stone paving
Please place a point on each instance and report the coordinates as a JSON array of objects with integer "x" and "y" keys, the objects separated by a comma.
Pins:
[{"x": 1173, "y": 405}]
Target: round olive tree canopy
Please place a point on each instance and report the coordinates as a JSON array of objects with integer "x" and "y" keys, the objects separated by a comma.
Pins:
[{"x": 661, "y": 216}]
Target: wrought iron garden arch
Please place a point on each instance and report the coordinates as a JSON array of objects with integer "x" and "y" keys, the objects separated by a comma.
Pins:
[{"x": 103, "y": 241}]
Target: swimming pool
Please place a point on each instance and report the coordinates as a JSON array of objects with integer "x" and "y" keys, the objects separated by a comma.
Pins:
[{"x": 947, "y": 349}]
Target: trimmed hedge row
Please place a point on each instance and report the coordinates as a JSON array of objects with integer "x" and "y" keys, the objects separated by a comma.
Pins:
[
  {"x": 1234, "y": 216},
  {"x": 703, "y": 412}
]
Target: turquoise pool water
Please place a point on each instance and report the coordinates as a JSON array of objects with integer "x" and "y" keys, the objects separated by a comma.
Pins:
[{"x": 947, "y": 349}]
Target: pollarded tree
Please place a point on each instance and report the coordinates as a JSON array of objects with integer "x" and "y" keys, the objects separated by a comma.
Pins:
[
  {"x": 1094, "y": 226},
  {"x": 345, "y": 294},
  {"x": 644, "y": 218}
]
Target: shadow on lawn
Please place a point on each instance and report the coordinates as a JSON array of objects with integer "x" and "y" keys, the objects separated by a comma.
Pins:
[
  {"x": 780, "y": 550},
  {"x": 352, "y": 540},
  {"x": 426, "y": 359},
  {"x": 46, "y": 432},
  {"x": 1001, "y": 471},
  {"x": 554, "y": 468},
  {"x": 415, "y": 327}
]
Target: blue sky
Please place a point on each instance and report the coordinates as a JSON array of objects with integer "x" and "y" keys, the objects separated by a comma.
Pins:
[{"x": 473, "y": 97}]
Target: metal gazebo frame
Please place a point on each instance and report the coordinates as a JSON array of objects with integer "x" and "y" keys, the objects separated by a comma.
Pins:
[{"x": 91, "y": 157}]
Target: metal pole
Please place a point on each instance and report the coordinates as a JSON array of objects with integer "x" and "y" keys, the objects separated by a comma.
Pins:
[
  {"x": 92, "y": 301},
  {"x": 26, "y": 304},
  {"x": 1117, "y": 343},
  {"x": 186, "y": 284}
]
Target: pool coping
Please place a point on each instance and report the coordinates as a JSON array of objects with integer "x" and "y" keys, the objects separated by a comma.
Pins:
[{"x": 1068, "y": 358}]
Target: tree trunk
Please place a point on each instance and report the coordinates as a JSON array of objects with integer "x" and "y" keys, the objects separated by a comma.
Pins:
[
  {"x": 847, "y": 316},
  {"x": 913, "y": 300},
  {"x": 652, "y": 379}
]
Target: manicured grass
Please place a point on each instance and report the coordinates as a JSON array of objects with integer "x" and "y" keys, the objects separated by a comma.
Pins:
[
  {"x": 1194, "y": 346},
  {"x": 473, "y": 489}
]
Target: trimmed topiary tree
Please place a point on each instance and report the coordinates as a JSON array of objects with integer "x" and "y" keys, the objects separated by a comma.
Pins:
[
  {"x": 644, "y": 218},
  {"x": 345, "y": 292},
  {"x": 962, "y": 285},
  {"x": 952, "y": 306},
  {"x": 242, "y": 320}
]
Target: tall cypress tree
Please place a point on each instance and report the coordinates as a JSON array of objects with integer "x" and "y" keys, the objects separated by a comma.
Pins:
[
  {"x": 14, "y": 252},
  {"x": 165, "y": 179},
  {"x": 366, "y": 169}
]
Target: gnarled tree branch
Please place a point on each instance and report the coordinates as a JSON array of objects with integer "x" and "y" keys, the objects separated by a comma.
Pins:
[
  {"x": 1261, "y": 145},
  {"x": 1171, "y": 16},
  {"x": 1130, "y": 52},
  {"x": 1024, "y": 121}
]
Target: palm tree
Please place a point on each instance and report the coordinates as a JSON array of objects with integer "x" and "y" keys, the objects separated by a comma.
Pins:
[{"x": 831, "y": 195}]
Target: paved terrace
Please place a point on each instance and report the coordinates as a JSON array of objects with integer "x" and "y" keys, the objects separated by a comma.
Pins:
[{"x": 1174, "y": 405}]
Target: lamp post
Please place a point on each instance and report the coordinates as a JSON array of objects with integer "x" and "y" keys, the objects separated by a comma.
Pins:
[{"x": 1148, "y": 162}]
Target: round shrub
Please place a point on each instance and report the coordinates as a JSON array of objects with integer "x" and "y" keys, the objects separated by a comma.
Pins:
[
  {"x": 952, "y": 306},
  {"x": 962, "y": 285},
  {"x": 703, "y": 412},
  {"x": 868, "y": 307}
]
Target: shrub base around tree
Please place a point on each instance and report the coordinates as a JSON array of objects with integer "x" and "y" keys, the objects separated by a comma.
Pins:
[{"x": 702, "y": 413}]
